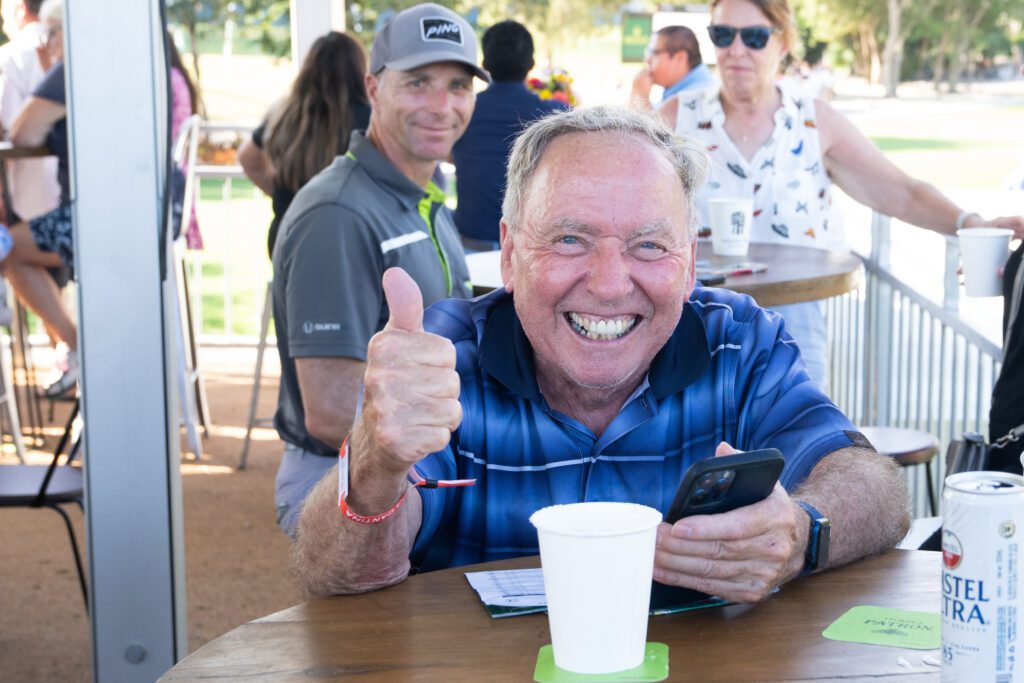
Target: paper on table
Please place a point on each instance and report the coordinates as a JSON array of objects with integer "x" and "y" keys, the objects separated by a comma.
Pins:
[
  {"x": 510, "y": 588},
  {"x": 512, "y": 592}
]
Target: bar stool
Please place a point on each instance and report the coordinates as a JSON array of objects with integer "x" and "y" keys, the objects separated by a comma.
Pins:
[{"x": 907, "y": 447}]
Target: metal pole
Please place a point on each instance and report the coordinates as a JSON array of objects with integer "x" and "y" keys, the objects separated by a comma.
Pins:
[
  {"x": 310, "y": 19},
  {"x": 117, "y": 136}
]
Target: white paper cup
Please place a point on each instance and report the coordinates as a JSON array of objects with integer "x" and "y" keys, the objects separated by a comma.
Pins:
[
  {"x": 598, "y": 561},
  {"x": 731, "y": 223},
  {"x": 983, "y": 252}
]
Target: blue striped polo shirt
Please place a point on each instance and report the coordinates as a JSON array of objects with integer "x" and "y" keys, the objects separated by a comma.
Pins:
[{"x": 729, "y": 372}]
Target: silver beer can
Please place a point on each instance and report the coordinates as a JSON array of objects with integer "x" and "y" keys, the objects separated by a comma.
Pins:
[{"x": 982, "y": 600}]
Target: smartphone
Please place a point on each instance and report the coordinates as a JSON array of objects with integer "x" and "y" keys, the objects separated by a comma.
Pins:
[
  {"x": 725, "y": 483},
  {"x": 709, "y": 487}
]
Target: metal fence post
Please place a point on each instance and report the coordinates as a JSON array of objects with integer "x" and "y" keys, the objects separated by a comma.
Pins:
[
  {"x": 878, "y": 326},
  {"x": 950, "y": 277}
]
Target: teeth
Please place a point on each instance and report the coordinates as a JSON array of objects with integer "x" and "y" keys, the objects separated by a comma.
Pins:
[{"x": 601, "y": 329}]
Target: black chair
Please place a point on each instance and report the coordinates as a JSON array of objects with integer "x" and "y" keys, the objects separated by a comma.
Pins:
[{"x": 50, "y": 486}]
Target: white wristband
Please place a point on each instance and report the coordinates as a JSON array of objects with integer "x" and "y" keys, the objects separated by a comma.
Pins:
[{"x": 962, "y": 218}]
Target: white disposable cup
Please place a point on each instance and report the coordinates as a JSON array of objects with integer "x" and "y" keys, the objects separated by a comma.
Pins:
[
  {"x": 983, "y": 252},
  {"x": 731, "y": 223},
  {"x": 598, "y": 561}
]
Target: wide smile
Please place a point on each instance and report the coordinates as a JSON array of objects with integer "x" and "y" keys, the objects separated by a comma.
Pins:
[{"x": 601, "y": 329}]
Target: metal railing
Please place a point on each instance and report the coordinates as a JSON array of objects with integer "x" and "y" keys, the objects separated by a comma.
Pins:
[
  {"x": 228, "y": 277},
  {"x": 899, "y": 359}
]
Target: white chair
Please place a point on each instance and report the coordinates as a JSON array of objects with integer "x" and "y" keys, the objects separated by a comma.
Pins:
[{"x": 191, "y": 385}]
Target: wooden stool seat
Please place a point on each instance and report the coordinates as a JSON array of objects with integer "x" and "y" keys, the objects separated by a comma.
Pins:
[{"x": 908, "y": 447}]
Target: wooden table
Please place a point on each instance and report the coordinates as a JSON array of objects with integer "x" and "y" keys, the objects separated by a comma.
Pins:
[
  {"x": 433, "y": 627},
  {"x": 794, "y": 274}
]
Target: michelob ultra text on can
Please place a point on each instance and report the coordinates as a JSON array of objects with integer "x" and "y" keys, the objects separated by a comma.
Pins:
[{"x": 982, "y": 601}]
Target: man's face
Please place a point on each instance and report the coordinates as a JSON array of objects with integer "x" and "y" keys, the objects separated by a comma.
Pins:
[
  {"x": 666, "y": 67},
  {"x": 600, "y": 262},
  {"x": 419, "y": 114}
]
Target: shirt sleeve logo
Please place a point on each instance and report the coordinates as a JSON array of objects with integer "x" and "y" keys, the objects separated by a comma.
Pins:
[
  {"x": 437, "y": 28},
  {"x": 310, "y": 327}
]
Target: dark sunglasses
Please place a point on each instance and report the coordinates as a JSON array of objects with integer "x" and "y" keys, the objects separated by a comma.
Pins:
[{"x": 754, "y": 37}]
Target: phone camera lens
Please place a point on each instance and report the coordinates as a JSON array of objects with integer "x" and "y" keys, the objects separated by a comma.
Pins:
[
  {"x": 700, "y": 496},
  {"x": 708, "y": 480}
]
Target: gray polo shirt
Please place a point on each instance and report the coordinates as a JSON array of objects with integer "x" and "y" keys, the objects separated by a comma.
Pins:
[{"x": 350, "y": 223}]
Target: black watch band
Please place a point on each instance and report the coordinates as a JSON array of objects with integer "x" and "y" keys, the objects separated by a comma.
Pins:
[{"x": 818, "y": 539}]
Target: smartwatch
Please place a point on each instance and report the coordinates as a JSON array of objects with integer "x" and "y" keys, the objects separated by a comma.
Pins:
[{"x": 817, "y": 540}]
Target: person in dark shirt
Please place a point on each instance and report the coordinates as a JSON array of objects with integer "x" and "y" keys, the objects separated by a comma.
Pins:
[
  {"x": 312, "y": 126},
  {"x": 502, "y": 111},
  {"x": 1007, "y": 411},
  {"x": 46, "y": 243}
]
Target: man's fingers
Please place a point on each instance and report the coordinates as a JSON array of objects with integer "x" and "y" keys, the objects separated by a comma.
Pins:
[
  {"x": 405, "y": 302},
  {"x": 745, "y": 522}
]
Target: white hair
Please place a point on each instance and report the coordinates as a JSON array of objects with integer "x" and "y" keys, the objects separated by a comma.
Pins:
[
  {"x": 52, "y": 11},
  {"x": 689, "y": 160}
]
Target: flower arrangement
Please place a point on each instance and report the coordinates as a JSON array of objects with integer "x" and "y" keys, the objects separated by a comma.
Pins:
[{"x": 555, "y": 84}]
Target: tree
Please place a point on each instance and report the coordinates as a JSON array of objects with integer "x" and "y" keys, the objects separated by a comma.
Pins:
[{"x": 192, "y": 15}]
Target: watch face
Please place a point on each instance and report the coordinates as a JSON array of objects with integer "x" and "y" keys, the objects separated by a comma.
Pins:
[{"x": 824, "y": 538}]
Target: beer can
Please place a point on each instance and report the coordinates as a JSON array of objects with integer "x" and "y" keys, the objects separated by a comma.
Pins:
[{"x": 982, "y": 601}]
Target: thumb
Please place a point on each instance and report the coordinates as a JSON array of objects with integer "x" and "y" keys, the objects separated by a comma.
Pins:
[
  {"x": 725, "y": 449},
  {"x": 404, "y": 301}
]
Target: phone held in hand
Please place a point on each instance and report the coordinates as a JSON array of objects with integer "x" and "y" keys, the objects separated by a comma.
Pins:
[
  {"x": 710, "y": 487},
  {"x": 725, "y": 483}
]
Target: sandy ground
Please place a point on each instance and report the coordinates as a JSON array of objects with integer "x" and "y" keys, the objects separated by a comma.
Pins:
[{"x": 236, "y": 558}]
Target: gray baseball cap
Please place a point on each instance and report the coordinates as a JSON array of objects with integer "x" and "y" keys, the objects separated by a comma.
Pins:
[{"x": 425, "y": 34}]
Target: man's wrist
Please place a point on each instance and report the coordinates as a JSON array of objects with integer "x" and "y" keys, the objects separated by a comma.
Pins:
[
  {"x": 371, "y": 487},
  {"x": 819, "y": 534}
]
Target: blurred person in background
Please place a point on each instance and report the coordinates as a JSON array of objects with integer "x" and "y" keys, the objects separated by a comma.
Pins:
[
  {"x": 184, "y": 103},
  {"x": 24, "y": 60},
  {"x": 23, "y": 63},
  {"x": 769, "y": 141},
  {"x": 674, "y": 62},
  {"x": 304, "y": 133},
  {"x": 1007, "y": 411},
  {"x": 502, "y": 111},
  {"x": 47, "y": 242}
]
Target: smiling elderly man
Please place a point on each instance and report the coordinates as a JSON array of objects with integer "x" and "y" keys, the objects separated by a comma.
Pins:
[{"x": 600, "y": 372}]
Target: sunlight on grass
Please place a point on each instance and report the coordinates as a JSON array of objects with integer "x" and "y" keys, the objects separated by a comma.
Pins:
[{"x": 890, "y": 144}]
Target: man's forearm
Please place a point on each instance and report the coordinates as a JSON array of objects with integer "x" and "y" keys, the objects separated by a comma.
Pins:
[
  {"x": 865, "y": 498},
  {"x": 334, "y": 555}
]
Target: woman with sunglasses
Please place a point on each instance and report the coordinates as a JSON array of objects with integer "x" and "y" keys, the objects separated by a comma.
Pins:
[{"x": 769, "y": 141}]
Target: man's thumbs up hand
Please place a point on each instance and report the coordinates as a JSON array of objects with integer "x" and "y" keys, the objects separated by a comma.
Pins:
[
  {"x": 411, "y": 396},
  {"x": 404, "y": 301}
]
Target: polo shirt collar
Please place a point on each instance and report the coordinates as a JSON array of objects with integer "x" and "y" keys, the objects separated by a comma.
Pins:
[
  {"x": 506, "y": 354},
  {"x": 383, "y": 172}
]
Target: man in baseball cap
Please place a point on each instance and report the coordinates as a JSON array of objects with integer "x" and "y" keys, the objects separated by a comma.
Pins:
[{"x": 374, "y": 208}]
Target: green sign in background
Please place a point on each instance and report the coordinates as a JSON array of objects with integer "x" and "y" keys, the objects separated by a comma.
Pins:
[{"x": 636, "y": 34}]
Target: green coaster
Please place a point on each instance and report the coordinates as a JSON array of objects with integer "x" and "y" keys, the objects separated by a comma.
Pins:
[
  {"x": 884, "y": 626},
  {"x": 654, "y": 668}
]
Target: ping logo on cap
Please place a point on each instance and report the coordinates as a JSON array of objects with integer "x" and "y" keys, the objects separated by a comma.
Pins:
[{"x": 437, "y": 28}]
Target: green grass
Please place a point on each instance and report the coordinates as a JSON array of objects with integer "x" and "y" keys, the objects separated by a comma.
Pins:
[
  {"x": 893, "y": 144},
  {"x": 212, "y": 189}
]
